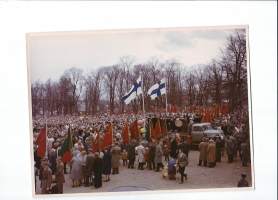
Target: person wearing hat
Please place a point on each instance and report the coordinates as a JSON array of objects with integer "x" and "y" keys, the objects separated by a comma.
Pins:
[
  {"x": 89, "y": 168},
  {"x": 140, "y": 149},
  {"x": 211, "y": 152},
  {"x": 243, "y": 182},
  {"x": 116, "y": 156},
  {"x": 203, "y": 146}
]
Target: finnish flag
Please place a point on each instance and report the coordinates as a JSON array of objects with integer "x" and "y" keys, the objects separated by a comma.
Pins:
[
  {"x": 157, "y": 89},
  {"x": 135, "y": 90}
]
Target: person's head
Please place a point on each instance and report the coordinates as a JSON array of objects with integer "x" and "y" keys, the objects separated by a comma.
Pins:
[
  {"x": 243, "y": 175},
  {"x": 97, "y": 154}
]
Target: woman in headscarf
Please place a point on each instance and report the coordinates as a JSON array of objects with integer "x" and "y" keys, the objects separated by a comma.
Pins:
[{"x": 76, "y": 167}]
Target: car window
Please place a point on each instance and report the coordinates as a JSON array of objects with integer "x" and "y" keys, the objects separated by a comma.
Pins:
[
  {"x": 197, "y": 128},
  {"x": 207, "y": 127}
]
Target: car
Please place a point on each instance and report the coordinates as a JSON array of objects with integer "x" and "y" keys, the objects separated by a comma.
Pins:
[{"x": 199, "y": 130}]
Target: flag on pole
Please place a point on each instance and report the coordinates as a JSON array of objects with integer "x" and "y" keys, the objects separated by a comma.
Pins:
[
  {"x": 41, "y": 142},
  {"x": 157, "y": 89},
  {"x": 65, "y": 151},
  {"x": 108, "y": 136},
  {"x": 125, "y": 134},
  {"x": 135, "y": 90}
]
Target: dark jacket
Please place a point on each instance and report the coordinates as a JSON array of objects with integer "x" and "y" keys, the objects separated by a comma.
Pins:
[{"x": 107, "y": 164}]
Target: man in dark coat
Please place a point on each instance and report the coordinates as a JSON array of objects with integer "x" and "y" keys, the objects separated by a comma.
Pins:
[
  {"x": 52, "y": 157},
  {"x": 98, "y": 168},
  {"x": 89, "y": 168},
  {"x": 107, "y": 164},
  {"x": 174, "y": 148},
  {"x": 152, "y": 149},
  {"x": 218, "y": 145},
  {"x": 184, "y": 146},
  {"x": 229, "y": 145},
  {"x": 131, "y": 155},
  {"x": 244, "y": 153}
]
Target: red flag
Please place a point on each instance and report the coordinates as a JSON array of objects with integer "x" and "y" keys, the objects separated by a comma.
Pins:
[
  {"x": 108, "y": 137},
  {"x": 156, "y": 130},
  {"x": 125, "y": 134},
  {"x": 134, "y": 133},
  {"x": 41, "y": 142}
]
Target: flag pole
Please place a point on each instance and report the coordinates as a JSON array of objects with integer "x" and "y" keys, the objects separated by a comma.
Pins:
[
  {"x": 46, "y": 137},
  {"x": 166, "y": 97},
  {"x": 143, "y": 101}
]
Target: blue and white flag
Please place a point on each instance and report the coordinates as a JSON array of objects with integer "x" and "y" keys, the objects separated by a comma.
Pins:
[
  {"x": 157, "y": 89},
  {"x": 135, "y": 90}
]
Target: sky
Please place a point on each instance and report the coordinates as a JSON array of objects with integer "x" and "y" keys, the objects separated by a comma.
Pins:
[{"x": 50, "y": 54}]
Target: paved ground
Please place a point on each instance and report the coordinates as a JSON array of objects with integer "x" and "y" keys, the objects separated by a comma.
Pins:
[{"x": 224, "y": 175}]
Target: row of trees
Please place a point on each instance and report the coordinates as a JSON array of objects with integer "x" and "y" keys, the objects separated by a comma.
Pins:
[{"x": 224, "y": 79}]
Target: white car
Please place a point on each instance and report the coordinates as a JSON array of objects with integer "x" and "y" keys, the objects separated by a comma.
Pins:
[{"x": 199, "y": 130}]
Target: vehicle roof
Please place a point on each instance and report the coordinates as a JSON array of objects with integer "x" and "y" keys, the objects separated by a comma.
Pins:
[{"x": 201, "y": 124}]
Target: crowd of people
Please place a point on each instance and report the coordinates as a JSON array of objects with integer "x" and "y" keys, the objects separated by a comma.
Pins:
[{"x": 167, "y": 154}]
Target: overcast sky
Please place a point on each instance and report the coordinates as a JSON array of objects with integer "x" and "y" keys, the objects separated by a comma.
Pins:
[{"x": 51, "y": 54}]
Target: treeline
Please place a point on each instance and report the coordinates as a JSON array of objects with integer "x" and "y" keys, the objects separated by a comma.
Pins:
[{"x": 222, "y": 80}]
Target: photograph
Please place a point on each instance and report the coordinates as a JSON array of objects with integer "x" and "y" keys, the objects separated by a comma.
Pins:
[{"x": 140, "y": 110}]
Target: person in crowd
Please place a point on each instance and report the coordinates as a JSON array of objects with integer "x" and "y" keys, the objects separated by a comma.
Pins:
[
  {"x": 182, "y": 162},
  {"x": 76, "y": 168},
  {"x": 172, "y": 169},
  {"x": 229, "y": 146},
  {"x": 46, "y": 177},
  {"x": 52, "y": 157},
  {"x": 152, "y": 155},
  {"x": 59, "y": 175},
  {"x": 146, "y": 157},
  {"x": 131, "y": 154},
  {"x": 184, "y": 146},
  {"x": 174, "y": 148},
  {"x": 235, "y": 147},
  {"x": 83, "y": 157},
  {"x": 140, "y": 150},
  {"x": 203, "y": 146},
  {"x": 244, "y": 153},
  {"x": 158, "y": 156},
  {"x": 218, "y": 146},
  {"x": 107, "y": 164},
  {"x": 116, "y": 156},
  {"x": 166, "y": 151},
  {"x": 211, "y": 152},
  {"x": 189, "y": 140},
  {"x": 243, "y": 182},
  {"x": 89, "y": 168},
  {"x": 124, "y": 157},
  {"x": 98, "y": 168}
]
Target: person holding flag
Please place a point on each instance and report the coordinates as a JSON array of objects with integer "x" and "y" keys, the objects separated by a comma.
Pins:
[{"x": 66, "y": 149}]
